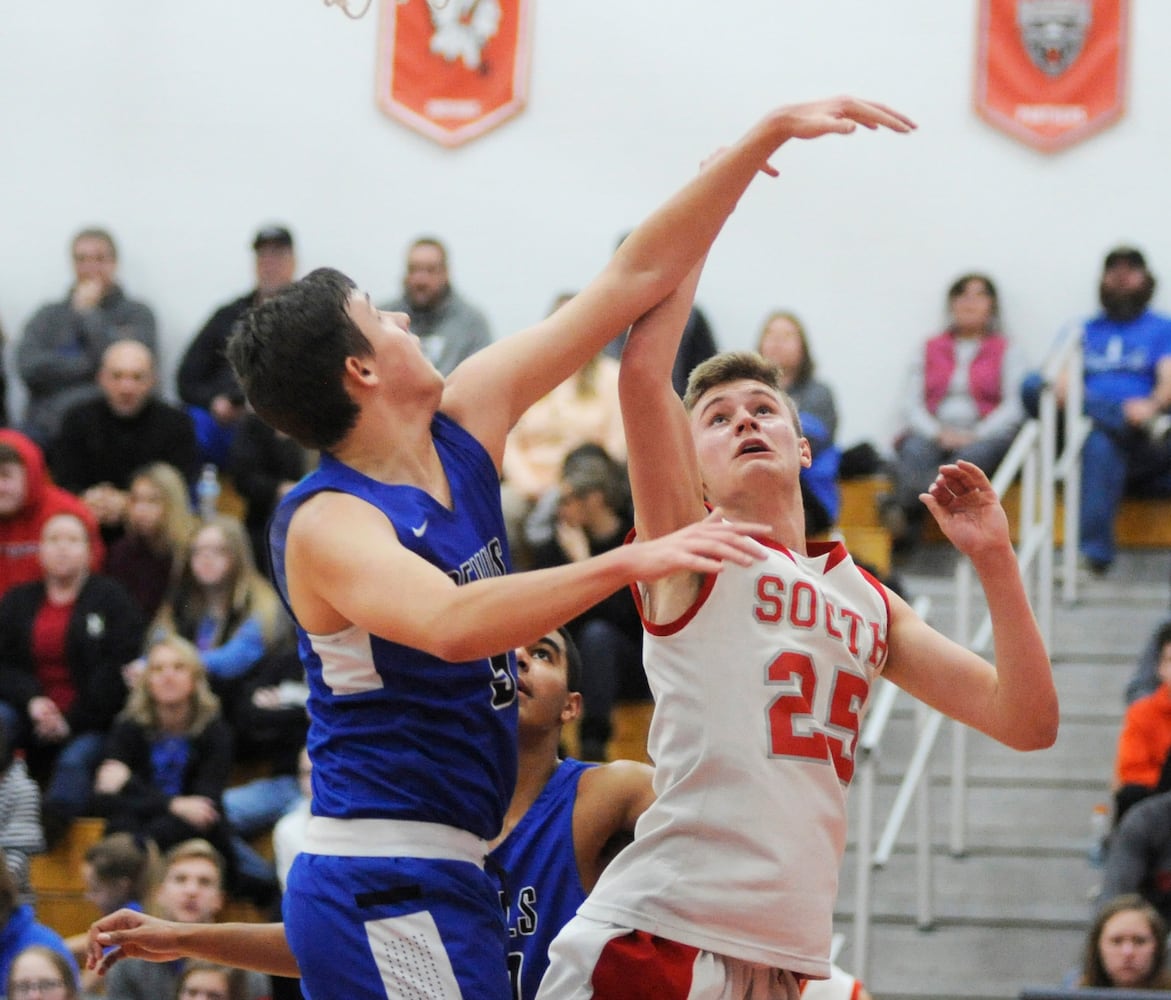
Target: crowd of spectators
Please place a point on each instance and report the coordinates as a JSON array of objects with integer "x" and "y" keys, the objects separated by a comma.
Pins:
[{"x": 144, "y": 654}]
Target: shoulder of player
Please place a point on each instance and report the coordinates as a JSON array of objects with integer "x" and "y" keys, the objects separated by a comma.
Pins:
[
  {"x": 615, "y": 785},
  {"x": 330, "y": 518}
]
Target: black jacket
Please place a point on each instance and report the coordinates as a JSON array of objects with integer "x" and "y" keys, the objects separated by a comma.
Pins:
[
  {"x": 98, "y": 446},
  {"x": 204, "y": 372},
  {"x": 209, "y": 767},
  {"x": 105, "y": 632}
]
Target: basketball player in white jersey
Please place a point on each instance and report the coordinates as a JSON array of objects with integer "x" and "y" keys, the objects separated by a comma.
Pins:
[{"x": 760, "y": 675}]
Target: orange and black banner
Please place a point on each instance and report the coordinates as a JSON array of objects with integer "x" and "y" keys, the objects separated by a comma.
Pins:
[
  {"x": 1051, "y": 72},
  {"x": 453, "y": 69}
]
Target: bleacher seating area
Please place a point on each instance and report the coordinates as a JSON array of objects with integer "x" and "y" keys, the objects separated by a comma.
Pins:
[{"x": 56, "y": 875}]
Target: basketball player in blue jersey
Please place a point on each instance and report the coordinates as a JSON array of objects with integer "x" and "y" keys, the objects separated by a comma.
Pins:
[
  {"x": 391, "y": 558},
  {"x": 760, "y": 677}
]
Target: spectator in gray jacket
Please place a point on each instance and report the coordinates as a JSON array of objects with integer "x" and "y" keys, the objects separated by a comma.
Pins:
[
  {"x": 449, "y": 327},
  {"x": 1139, "y": 855},
  {"x": 61, "y": 350}
]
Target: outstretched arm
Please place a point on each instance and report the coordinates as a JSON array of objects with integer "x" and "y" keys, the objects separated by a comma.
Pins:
[
  {"x": 664, "y": 472},
  {"x": 1014, "y": 701},
  {"x": 338, "y": 543},
  {"x": 665, "y": 481},
  {"x": 489, "y": 391},
  {"x": 261, "y": 947}
]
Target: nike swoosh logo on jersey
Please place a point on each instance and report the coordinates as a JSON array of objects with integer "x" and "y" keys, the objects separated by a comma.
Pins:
[{"x": 420, "y": 530}]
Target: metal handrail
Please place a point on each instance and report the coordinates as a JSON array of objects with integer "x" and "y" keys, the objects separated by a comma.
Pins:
[{"x": 1031, "y": 458}]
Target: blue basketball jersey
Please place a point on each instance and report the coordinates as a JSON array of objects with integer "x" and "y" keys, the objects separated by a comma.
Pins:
[
  {"x": 394, "y": 732},
  {"x": 544, "y": 884}
]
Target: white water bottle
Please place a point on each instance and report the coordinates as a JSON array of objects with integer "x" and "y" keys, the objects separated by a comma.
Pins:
[
  {"x": 1099, "y": 830},
  {"x": 208, "y": 492}
]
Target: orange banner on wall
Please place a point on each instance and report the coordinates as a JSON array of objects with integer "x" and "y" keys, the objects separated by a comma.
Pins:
[
  {"x": 1051, "y": 72},
  {"x": 456, "y": 70}
]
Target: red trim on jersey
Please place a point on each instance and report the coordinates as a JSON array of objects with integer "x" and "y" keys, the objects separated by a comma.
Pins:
[
  {"x": 878, "y": 585},
  {"x": 835, "y": 551},
  {"x": 670, "y": 628},
  {"x": 640, "y": 966}
]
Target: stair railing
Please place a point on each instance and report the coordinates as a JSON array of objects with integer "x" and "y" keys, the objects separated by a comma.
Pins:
[{"x": 1032, "y": 458}]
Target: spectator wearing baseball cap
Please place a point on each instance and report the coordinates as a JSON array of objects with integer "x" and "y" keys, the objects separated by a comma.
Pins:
[
  {"x": 1126, "y": 256},
  {"x": 1127, "y": 361},
  {"x": 206, "y": 382}
]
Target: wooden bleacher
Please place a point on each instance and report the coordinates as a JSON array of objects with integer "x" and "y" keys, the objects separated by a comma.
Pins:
[
  {"x": 56, "y": 880},
  {"x": 859, "y": 524}
]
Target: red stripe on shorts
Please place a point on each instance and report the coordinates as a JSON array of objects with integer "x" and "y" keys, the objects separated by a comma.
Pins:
[{"x": 640, "y": 966}]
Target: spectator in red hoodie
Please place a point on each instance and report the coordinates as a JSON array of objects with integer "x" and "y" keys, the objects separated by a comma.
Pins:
[{"x": 28, "y": 499}]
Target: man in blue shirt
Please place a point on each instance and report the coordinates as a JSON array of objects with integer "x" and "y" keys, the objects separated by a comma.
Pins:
[{"x": 1127, "y": 358}]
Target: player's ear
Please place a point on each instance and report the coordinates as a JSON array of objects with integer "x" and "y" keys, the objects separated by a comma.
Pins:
[
  {"x": 572, "y": 707},
  {"x": 806, "y": 452},
  {"x": 360, "y": 370}
]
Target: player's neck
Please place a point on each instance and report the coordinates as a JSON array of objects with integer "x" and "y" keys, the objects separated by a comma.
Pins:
[
  {"x": 395, "y": 451},
  {"x": 787, "y": 519},
  {"x": 536, "y": 763}
]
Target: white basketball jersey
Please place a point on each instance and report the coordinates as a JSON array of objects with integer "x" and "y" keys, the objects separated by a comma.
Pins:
[{"x": 759, "y": 689}]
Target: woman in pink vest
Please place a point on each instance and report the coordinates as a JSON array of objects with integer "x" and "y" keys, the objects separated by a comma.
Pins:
[{"x": 963, "y": 402}]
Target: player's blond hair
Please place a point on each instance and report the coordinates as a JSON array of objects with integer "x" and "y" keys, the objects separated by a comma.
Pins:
[{"x": 735, "y": 366}]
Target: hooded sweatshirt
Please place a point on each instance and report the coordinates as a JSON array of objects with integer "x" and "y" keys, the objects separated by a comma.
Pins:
[{"x": 20, "y": 533}]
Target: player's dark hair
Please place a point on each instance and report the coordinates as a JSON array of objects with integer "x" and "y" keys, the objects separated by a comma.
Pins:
[
  {"x": 735, "y": 366},
  {"x": 289, "y": 353},
  {"x": 572, "y": 661}
]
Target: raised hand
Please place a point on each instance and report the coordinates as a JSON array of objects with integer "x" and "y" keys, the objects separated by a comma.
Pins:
[
  {"x": 967, "y": 509},
  {"x": 835, "y": 115},
  {"x": 841, "y": 115}
]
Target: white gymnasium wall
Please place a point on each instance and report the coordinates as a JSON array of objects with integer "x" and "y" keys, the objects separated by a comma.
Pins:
[{"x": 184, "y": 125}]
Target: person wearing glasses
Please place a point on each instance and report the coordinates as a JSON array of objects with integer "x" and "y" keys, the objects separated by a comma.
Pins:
[{"x": 39, "y": 971}]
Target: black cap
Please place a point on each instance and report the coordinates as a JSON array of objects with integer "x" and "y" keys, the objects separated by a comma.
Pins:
[
  {"x": 1125, "y": 255},
  {"x": 273, "y": 236}
]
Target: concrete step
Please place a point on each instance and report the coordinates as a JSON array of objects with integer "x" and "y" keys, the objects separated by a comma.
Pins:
[
  {"x": 1001, "y": 818},
  {"x": 1033, "y": 889},
  {"x": 959, "y": 962},
  {"x": 1082, "y": 756}
]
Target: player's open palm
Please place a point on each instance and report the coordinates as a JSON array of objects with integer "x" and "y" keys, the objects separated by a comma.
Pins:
[
  {"x": 702, "y": 547},
  {"x": 967, "y": 508}
]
